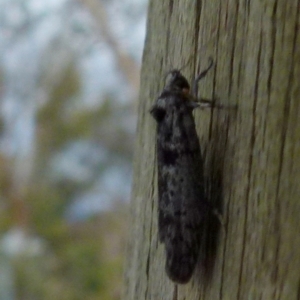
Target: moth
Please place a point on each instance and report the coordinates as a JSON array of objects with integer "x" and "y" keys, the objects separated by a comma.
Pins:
[{"x": 183, "y": 207}]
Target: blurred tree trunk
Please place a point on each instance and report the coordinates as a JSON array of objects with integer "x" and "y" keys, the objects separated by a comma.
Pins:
[
  {"x": 127, "y": 65},
  {"x": 252, "y": 154}
]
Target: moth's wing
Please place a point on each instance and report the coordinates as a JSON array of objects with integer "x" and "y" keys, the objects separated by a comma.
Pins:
[
  {"x": 186, "y": 216},
  {"x": 182, "y": 202}
]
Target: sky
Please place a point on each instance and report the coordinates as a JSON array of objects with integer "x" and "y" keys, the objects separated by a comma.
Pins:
[{"x": 39, "y": 34}]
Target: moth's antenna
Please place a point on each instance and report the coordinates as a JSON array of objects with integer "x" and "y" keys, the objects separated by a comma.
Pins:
[
  {"x": 203, "y": 47},
  {"x": 166, "y": 73}
]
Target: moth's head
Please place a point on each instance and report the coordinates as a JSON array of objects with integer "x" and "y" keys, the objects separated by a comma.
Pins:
[
  {"x": 176, "y": 81},
  {"x": 169, "y": 103}
]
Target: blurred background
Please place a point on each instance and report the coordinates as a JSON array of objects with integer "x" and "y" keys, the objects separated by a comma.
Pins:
[{"x": 69, "y": 78}]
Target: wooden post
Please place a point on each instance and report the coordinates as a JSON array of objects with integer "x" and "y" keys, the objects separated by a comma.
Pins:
[{"x": 252, "y": 154}]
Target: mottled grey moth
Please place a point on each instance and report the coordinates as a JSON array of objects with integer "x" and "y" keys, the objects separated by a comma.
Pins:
[{"x": 182, "y": 205}]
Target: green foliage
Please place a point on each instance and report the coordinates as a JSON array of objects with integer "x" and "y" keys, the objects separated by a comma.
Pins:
[
  {"x": 47, "y": 207},
  {"x": 53, "y": 130},
  {"x": 82, "y": 260},
  {"x": 5, "y": 185},
  {"x": 85, "y": 264}
]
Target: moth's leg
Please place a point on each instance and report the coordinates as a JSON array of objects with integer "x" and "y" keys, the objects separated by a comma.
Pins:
[
  {"x": 204, "y": 103},
  {"x": 220, "y": 219},
  {"x": 200, "y": 76}
]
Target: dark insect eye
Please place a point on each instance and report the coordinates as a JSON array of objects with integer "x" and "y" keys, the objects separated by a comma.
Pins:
[{"x": 158, "y": 113}]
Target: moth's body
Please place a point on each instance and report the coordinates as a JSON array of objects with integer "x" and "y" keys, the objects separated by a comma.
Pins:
[{"x": 182, "y": 205}]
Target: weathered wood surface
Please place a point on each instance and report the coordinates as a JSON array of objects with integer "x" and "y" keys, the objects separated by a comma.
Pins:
[{"x": 252, "y": 155}]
